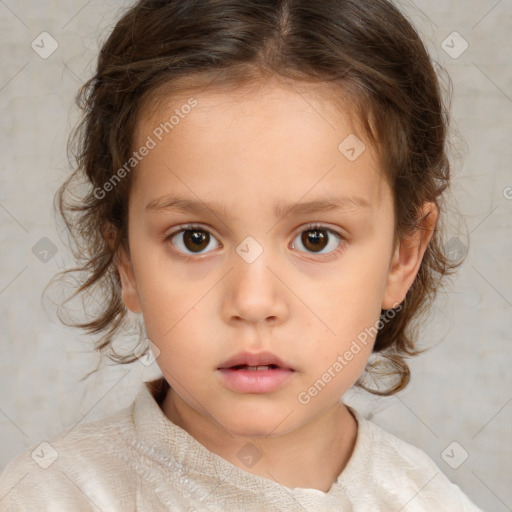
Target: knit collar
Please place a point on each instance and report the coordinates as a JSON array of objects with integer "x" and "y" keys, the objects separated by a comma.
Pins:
[{"x": 157, "y": 435}]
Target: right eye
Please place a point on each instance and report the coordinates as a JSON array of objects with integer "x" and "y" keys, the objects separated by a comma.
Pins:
[{"x": 191, "y": 238}]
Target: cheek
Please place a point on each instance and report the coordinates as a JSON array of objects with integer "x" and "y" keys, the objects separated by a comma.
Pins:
[
  {"x": 365, "y": 278},
  {"x": 350, "y": 348},
  {"x": 184, "y": 349},
  {"x": 352, "y": 301},
  {"x": 175, "y": 321},
  {"x": 170, "y": 314},
  {"x": 348, "y": 313}
]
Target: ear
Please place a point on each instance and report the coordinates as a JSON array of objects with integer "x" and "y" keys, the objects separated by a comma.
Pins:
[
  {"x": 123, "y": 263},
  {"x": 129, "y": 283},
  {"x": 407, "y": 258}
]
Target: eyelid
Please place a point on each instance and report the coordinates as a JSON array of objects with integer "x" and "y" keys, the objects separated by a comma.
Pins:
[
  {"x": 306, "y": 227},
  {"x": 321, "y": 227},
  {"x": 190, "y": 226}
]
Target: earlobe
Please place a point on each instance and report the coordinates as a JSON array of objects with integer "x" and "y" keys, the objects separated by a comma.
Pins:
[
  {"x": 129, "y": 284},
  {"x": 407, "y": 258}
]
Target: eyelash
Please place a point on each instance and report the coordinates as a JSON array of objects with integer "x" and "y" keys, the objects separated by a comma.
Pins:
[{"x": 311, "y": 227}]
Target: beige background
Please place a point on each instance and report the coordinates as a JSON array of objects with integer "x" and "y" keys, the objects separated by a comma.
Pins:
[{"x": 461, "y": 389}]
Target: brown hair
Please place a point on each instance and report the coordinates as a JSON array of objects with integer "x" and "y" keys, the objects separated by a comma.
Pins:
[{"x": 366, "y": 49}]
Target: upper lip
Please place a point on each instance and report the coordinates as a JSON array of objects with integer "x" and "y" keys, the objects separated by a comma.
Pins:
[{"x": 254, "y": 359}]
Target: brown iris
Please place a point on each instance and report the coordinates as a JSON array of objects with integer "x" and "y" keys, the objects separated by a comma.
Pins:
[
  {"x": 195, "y": 239},
  {"x": 314, "y": 239}
]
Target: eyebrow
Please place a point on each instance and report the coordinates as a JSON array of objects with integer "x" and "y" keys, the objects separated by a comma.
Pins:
[{"x": 281, "y": 209}]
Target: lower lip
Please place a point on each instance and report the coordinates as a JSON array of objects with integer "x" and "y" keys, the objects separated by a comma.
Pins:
[{"x": 255, "y": 381}]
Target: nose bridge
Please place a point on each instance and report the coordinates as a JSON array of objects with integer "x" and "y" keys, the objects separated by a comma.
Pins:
[{"x": 255, "y": 291}]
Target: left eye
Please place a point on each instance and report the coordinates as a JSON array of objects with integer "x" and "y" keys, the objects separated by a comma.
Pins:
[{"x": 316, "y": 238}]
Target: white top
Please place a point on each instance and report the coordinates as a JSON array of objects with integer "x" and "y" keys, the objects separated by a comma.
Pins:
[{"x": 138, "y": 460}]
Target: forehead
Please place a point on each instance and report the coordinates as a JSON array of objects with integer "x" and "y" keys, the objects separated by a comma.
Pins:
[
  {"x": 288, "y": 136},
  {"x": 327, "y": 102}
]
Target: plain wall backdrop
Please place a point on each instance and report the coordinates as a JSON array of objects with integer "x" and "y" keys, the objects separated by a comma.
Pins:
[{"x": 457, "y": 407}]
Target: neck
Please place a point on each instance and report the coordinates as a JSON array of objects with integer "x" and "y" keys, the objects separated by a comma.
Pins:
[{"x": 324, "y": 443}]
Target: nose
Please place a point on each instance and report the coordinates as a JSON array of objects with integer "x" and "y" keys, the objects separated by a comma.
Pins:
[{"x": 254, "y": 292}]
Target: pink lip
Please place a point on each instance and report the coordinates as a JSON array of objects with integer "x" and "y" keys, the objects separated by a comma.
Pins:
[
  {"x": 255, "y": 381},
  {"x": 254, "y": 359}
]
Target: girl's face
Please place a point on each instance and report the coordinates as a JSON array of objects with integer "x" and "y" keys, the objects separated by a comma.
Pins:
[{"x": 291, "y": 252}]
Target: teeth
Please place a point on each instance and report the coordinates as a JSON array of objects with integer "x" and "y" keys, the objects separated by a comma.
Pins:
[{"x": 254, "y": 368}]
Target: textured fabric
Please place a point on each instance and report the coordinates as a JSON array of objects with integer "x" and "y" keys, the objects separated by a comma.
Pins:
[{"x": 137, "y": 459}]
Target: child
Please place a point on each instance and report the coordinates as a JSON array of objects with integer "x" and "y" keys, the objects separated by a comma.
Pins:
[{"x": 265, "y": 189}]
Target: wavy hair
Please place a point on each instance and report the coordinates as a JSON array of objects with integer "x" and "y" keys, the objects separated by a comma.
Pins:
[{"x": 366, "y": 49}]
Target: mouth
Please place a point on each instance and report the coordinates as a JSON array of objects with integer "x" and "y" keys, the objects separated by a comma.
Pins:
[
  {"x": 255, "y": 362},
  {"x": 255, "y": 373}
]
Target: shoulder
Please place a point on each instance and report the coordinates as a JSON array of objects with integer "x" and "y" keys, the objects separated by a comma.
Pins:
[
  {"x": 403, "y": 473},
  {"x": 68, "y": 470}
]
